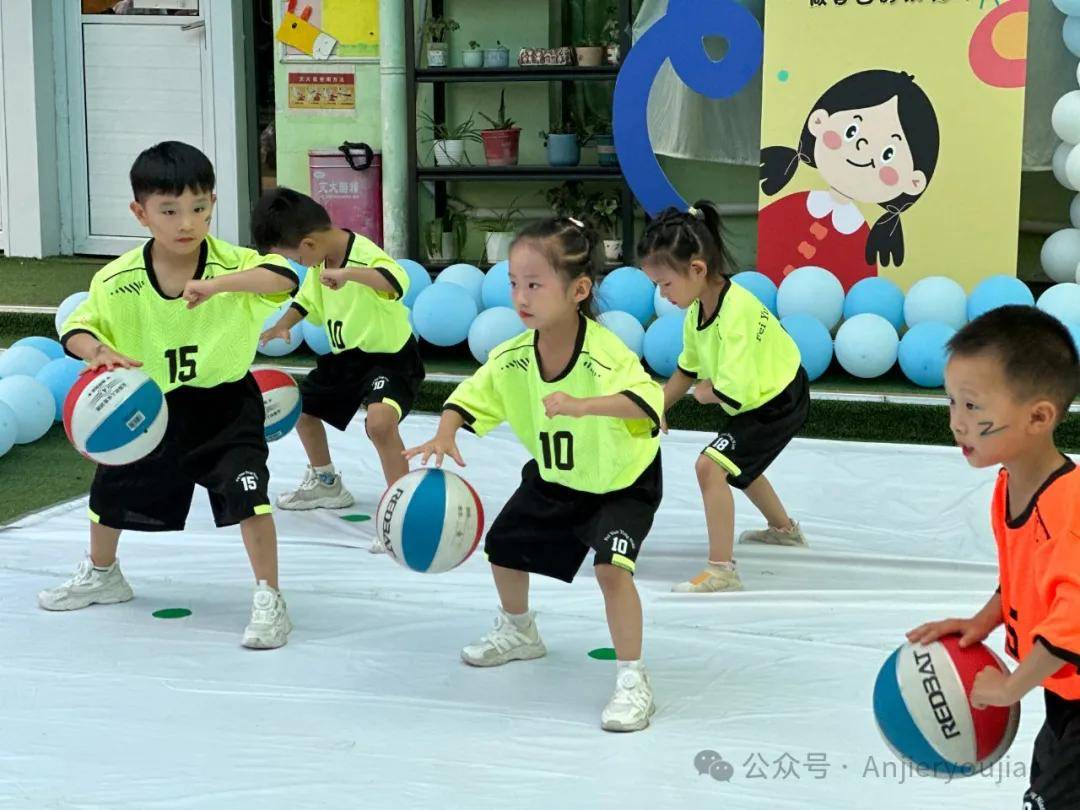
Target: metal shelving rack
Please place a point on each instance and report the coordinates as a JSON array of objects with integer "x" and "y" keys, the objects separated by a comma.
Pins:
[{"x": 439, "y": 78}]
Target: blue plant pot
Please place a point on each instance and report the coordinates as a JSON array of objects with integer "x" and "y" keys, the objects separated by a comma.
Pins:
[
  {"x": 605, "y": 150},
  {"x": 563, "y": 150},
  {"x": 496, "y": 57}
]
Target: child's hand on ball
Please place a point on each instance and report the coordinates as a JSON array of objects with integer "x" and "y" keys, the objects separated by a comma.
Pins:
[
  {"x": 439, "y": 447},
  {"x": 971, "y": 631},
  {"x": 105, "y": 357},
  {"x": 274, "y": 332}
]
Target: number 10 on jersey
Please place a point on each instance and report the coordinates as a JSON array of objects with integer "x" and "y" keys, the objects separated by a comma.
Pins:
[{"x": 558, "y": 448}]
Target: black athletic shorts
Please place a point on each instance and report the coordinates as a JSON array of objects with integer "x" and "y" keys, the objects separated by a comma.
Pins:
[
  {"x": 342, "y": 383},
  {"x": 751, "y": 441},
  {"x": 549, "y": 529},
  {"x": 1055, "y": 765},
  {"x": 215, "y": 439}
]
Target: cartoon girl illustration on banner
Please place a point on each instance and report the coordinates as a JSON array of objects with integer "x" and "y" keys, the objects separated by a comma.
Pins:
[{"x": 873, "y": 137}]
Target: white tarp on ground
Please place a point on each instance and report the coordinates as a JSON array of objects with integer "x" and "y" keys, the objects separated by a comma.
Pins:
[{"x": 369, "y": 706}]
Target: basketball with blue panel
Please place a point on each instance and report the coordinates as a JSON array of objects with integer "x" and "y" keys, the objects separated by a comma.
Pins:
[
  {"x": 430, "y": 520},
  {"x": 922, "y": 707},
  {"x": 281, "y": 400},
  {"x": 115, "y": 417}
]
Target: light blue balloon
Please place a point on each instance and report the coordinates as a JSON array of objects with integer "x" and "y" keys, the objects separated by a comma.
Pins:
[
  {"x": 760, "y": 285},
  {"x": 278, "y": 347},
  {"x": 32, "y": 404},
  {"x": 1070, "y": 7},
  {"x": 627, "y": 289},
  {"x": 923, "y": 354},
  {"x": 627, "y": 327},
  {"x": 22, "y": 360},
  {"x": 315, "y": 337},
  {"x": 812, "y": 291},
  {"x": 419, "y": 280},
  {"x": 1071, "y": 34},
  {"x": 866, "y": 346},
  {"x": 1062, "y": 301},
  {"x": 67, "y": 306},
  {"x": 466, "y": 276},
  {"x": 663, "y": 307},
  {"x": 998, "y": 291},
  {"x": 496, "y": 288},
  {"x": 9, "y": 428},
  {"x": 664, "y": 343},
  {"x": 492, "y": 327},
  {"x": 936, "y": 299},
  {"x": 58, "y": 376},
  {"x": 878, "y": 296},
  {"x": 299, "y": 269},
  {"x": 47, "y": 346},
  {"x": 814, "y": 342},
  {"x": 443, "y": 314}
]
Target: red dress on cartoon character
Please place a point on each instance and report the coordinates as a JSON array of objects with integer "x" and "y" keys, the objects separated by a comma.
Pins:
[{"x": 873, "y": 137}]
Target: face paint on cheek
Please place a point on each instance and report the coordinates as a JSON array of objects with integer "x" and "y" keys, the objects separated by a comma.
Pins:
[
  {"x": 889, "y": 176},
  {"x": 989, "y": 428},
  {"x": 832, "y": 140}
]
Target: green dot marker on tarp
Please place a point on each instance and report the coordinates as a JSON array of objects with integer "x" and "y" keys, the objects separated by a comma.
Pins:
[
  {"x": 602, "y": 654},
  {"x": 356, "y": 518},
  {"x": 172, "y": 613},
  {"x": 783, "y": 75}
]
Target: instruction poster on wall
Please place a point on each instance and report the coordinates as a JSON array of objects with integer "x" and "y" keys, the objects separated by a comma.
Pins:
[
  {"x": 322, "y": 91},
  {"x": 353, "y": 25}
]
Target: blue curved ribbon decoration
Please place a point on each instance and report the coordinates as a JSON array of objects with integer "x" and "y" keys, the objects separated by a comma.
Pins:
[{"x": 678, "y": 36}]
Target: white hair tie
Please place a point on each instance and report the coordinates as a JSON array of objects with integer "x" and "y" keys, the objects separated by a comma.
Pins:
[{"x": 577, "y": 222}]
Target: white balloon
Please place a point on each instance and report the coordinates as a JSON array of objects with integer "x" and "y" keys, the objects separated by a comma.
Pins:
[
  {"x": 1065, "y": 119},
  {"x": 1061, "y": 155},
  {"x": 1060, "y": 255},
  {"x": 1074, "y": 211},
  {"x": 1072, "y": 167}
]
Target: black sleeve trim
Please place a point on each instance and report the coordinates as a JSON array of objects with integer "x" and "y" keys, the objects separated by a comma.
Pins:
[
  {"x": 731, "y": 403},
  {"x": 393, "y": 281},
  {"x": 299, "y": 308},
  {"x": 464, "y": 414},
  {"x": 284, "y": 272},
  {"x": 69, "y": 335},
  {"x": 689, "y": 374},
  {"x": 1065, "y": 655},
  {"x": 649, "y": 412}
]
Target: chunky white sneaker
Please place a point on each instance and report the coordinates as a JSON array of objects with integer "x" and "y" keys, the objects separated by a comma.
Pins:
[
  {"x": 88, "y": 586},
  {"x": 269, "y": 627},
  {"x": 775, "y": 537},
  {"x": 632, "y": 704},
  {"x": 711, "y": 580},
  {"x": 505, "y": 643},
  {"x": 316, "y": 492}
]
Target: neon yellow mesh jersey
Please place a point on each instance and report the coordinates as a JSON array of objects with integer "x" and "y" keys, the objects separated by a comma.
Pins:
[
  {"x": 742, "y": 349},
  {"x": 357, "y": 316},
  {"x": 590, "y": 454},
  {"x": 202, "y": 347}
]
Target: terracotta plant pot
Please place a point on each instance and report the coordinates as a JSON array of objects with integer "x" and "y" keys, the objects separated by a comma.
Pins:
[
  {"x": 590, "y": 56},
  {"x": 501, "y": 146}
]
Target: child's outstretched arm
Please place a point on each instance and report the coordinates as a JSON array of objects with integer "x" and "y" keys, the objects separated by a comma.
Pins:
[
  {"x": 257, "y": 280},
  {"x": 97, "y": 354},
  {"x": 369, "y": 276},
  {"x": 444, "y": 443},
  {"x": 992, "y": 687},
  {"x": 618, "y": 406},
  {"x": 281, "y": 329}
]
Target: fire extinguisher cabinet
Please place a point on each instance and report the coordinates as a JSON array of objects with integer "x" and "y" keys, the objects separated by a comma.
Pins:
[{"x": 347, "y": 182}]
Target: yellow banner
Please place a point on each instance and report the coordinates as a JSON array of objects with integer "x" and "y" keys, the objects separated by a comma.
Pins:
[{"x": 891, "y": 138}]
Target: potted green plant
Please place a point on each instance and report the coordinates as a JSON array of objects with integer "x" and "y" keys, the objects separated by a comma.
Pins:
[
  {"x": 567, "y": 199},
  {"x": 473, "y": 57},
  {"x": 589, "y": 52},
  {"x": 500, "y": 231},
  {"x": 448, "y": 140},
  {"x": 605, "y": 209},
  {"x": 602, "y": 137},
  {"x": 444, "y": 238},
  {"x": 564, "y": 142},
  {"x": 610, "y": 35},
  {"x": 497, "y": 57},
  {"x": 501, "y": 142},
  {"x": 436, "y": 30}
]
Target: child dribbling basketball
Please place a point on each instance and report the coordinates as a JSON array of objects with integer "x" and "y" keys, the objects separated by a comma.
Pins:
[{"x": 583, "y": 406}]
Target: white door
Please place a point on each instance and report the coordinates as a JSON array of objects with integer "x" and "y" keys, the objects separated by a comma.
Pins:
[{"x": 132, "y": 81}]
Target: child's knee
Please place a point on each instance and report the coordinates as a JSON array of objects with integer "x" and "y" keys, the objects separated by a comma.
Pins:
[
  {"x": 381, "y": 423},
  {"x": 709, "y": 473},
  {"x": 612, "y": 577}
]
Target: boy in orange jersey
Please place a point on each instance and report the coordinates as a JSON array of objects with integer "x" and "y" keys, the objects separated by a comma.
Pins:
[{"x": 1011, "y": 377}]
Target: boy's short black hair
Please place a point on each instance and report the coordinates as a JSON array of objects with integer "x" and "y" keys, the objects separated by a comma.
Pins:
[
  {"x": 283, "y": 217},
  {"x": 170, "y": 167},
  {"x": 1037, "y": 352}
]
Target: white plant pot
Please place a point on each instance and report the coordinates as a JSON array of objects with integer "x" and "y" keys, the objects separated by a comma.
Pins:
[
  {"x": 438, "y": 54},
  {"x": 449, "y": 153},
  {"x": 613, "y": 249},
  {"x": 497, "y": 245},
  {"x": 449, "y": 247}
]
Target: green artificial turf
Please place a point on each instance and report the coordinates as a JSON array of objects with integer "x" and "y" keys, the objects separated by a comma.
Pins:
[{"x": 45, "y": 282}]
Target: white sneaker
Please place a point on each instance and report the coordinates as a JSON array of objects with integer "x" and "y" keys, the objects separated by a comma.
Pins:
[
  {"x": 269, "y": 627},
  {"x": 88, "y": 586},
  {"x": 632, "y": 704},
  {"x": 775, "y": 537},
  {"x": 506, "y": 642},
  {"x": 710, "y": 580},
  {"x": 315, "y": 492}
]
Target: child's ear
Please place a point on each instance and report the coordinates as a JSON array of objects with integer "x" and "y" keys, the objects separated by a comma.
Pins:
[
  {"x": 582, "y": 288},
  {"x": 699, "y": 268},
  {"x": 817, "y": 121},
  {"x": 918, "y": 183},
  {"x": 139, "y": 212},
  {"x": 1043, "y": 417}
]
